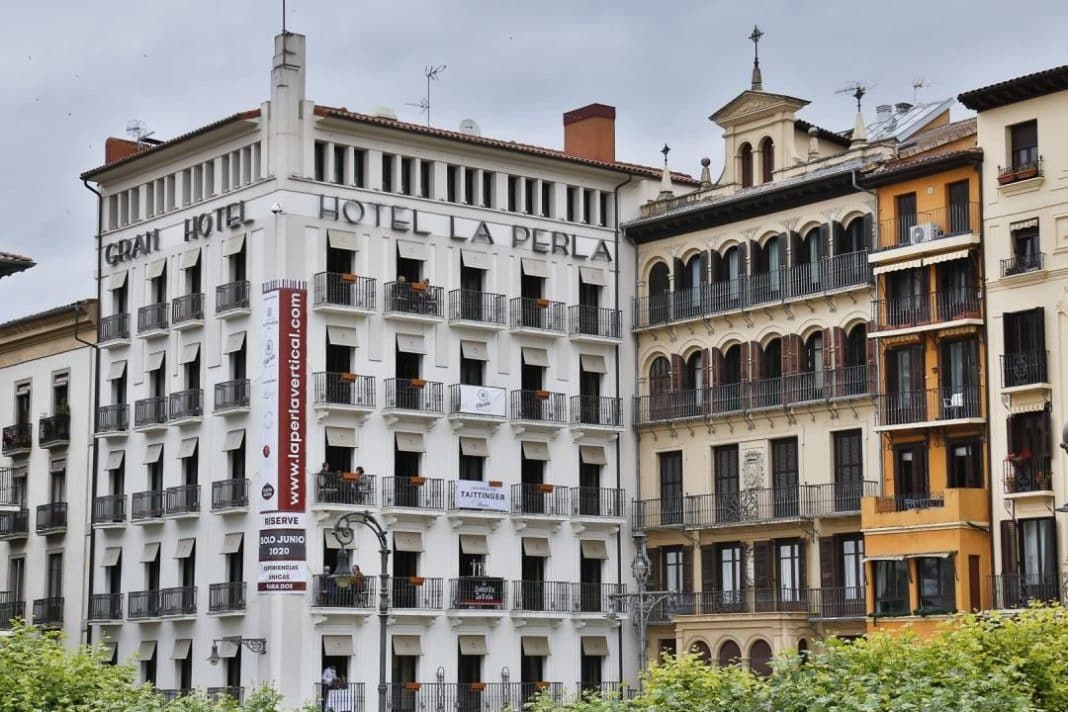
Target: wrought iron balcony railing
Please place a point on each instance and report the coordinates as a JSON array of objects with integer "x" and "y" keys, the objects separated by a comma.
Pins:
[
  {"x": 232, "y": 296},
  {"x": 1034, "y": 474},
  {"x": 540, "y": 314},
  {"x": 346, "y": 488},
  {"x": 1022, "y": 264},
  {"x": 344, "y": 591},
  {"x": 837, "y": 603},
  {"x": 587, "y": 320},
  {"x": 344, "y": 290},
  {"x": 150, "y": 411},
  {"x": 542, "y": 406},
  {"x": 186, "y": 404},
  {"x": 51, "y": 517},
  {"x": 925, "y": 309},
  {"x": 344, "y": 389},
  {"x": 14, "y": 525},
  {"x": 415, "y": 394},
  {"x": 928, "y": 226},
  {"x": 415, "y": 298},
  {"x": 605, "y": 411},
  {"x": 105, "y": 607},
  {"x": 178, "y": 601},
  {"x": 147, "y": 505},
  {"x": 546, "y": 499},
  {"x": 48, "y": 612},
  {"x": 232, "y": 394},
  {"x": 183, "y": 499},
  {"x": 143, "y": 604},
  {"x": 226, "y": 597},
  {"x": 1024, "y": 368},
  {"x": 413, "y": 493},
  {"x": 1020, "y": 590},
  {"x": 416, "y": 593},
  {"x": 478, "y": 593},
  {"x": 152, "y": 317},
  {"x": 481, "y": 307},
  {"x": 186, "y": 308},
  {"x": 109, "y": 509},
  {"x": 598, "y": 502},
  {"x": 597, "y": 597},
  {"x": 113, "y": 328},
  {"x": 54, "y": 430},
  {"x": 541, "y": 596},
  {"x": 112, "y": 418},
  {"x": 17, "y": 438},
  {"x": 936, "y": 404},
  {"x": 229, "y": 494}
]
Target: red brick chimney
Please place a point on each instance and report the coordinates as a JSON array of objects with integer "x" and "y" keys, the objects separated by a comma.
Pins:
[
  {"x": 116, "y": 149},
  {"x": 590, "y": 132}
]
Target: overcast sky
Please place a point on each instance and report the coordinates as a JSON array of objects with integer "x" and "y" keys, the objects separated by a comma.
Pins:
[{"x": 77, "y": 71}]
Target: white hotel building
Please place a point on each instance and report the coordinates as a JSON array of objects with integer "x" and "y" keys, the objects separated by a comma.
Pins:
[{"x": 458, "y": 363}]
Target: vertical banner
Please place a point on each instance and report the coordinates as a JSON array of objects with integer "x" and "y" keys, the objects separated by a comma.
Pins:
[{"x": 283, "y": 537}]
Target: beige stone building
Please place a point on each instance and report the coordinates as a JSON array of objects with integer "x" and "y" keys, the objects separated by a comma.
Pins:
[
  {"x": 755, "y": 383},
  {"x": 1021, "y": 129}
]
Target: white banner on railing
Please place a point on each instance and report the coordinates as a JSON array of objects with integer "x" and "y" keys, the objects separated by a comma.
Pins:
[
  {"x": 483, "y": 400},
  {"x": 470, "y": 494}
]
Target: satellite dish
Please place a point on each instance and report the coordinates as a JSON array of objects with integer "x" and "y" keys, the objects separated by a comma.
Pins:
[
  {"x": 384, "y": 112},
  {"x": 470, "y": 127}
]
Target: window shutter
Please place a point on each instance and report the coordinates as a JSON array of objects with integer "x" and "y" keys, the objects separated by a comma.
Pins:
[
  {"x": 706, "y": 362},
  {"x": 795, "y": 248},
  {"x": 789, "y": 355},
  {"x": 781, "y": 242},
  {"x": 678, "y": 371},
  {"x": 1038, "y": 326},
  {"x": 838, "y": 346},
  {"x": 838, "y": 246},
  {"x": 823, "y": 247},
  {"x": 755, "y": 354},
  {"x": 742, "y": 253},
  {"x": 715, "y": 265},
  {"x": 873, "y": 360},
  {"x": 762, "y": 565},
  {"x": 687, "y": 569},
  {"x": 830, "y": 350},
  {"x": 1010, "y": 564},
  {"x": 655, "y": 563},
  {"x": 828, "y": 563},
  {"x": 703, "y": 261},
  {"x": 869, "y": 233},
  {"x": 715, "y": 362},
  {"x": 759, "y": 260},
  {"x": 680, "y": 268},
  {"x": 709, "y": 568},
  {"x": 802, "y": 565}
]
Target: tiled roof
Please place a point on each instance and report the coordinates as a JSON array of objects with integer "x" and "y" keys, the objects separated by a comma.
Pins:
[
  {"x": 940, "y": 136},
  {"x": 1021, "y": 88},
  {"x": 833, "y": 137},
  {"x": 922, "y": 164},
  {"x": 11, "y": 263},
  {"x": 240, "y": 116},
  {"x": 83, "y": 304},
  {"x": 551, "y": 153}
]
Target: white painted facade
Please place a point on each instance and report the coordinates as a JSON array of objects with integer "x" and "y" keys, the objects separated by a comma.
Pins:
[{"x": 268, "y": 162}]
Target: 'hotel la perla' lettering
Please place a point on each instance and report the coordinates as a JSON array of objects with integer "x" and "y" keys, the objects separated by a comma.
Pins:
[{"x": 401, "y": 219}]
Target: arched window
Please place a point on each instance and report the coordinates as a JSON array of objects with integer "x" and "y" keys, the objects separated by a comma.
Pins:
[
  {"x": 813, "y": 353},
  {"x": 700, "y": 648},
  {"x": 767, "y": 158},
  {"x": 856, "y": 346},
  {"x": 660, "y": 376},
  {"x": 760, "y": 658},
  {"x": 771, "y": 360},
  {"x": 688, "y": 283},
  {"x": 851, "y": 238},
  {"x": 659, "y": 294},
  {"x": 745, "y": 157},
  {"x": 729, "y": 654},
  {"x": 695, "y": 371},
  {"x": 808, "y": 259},
  {"x": 732, "y": 365}
]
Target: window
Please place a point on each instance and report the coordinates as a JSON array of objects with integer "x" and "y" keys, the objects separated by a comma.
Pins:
[
  {"x": 1024, "y": 360},
  {"x": 730, "y": 572},
  {"x": 452, "y": 178},
  {"x": 791, "y": 571},
  {"x": 851, "y": 553},
  {"x": 767, "y": 159},
  {"x": 745, "y": 164},
  {"x": 359, "y": 161},
  {"x": 1038, "y": 550},
  {"x": 958, "y": 196},
  {"x": 471, "y": 467},
  {"x": 965, "y": 463},
  {"x": 469, "y": 186},
  {"x": 587, "y": 206},
  {"x": 339, "y": 165},
  {"x": 54, "y": 583},
  {"x": 784, "y": 477},
  {"x": 546, "y": 199},
  {"x": 1026, "y": 253},
  {"x": 406, "y": 176},
  {"x": 426, "y": 179},
  {"x": 671, "y": 491},
  {"x": 488, "y": 181},
  {"x": 848, "y": 470},
  {"x": 320, "y": 161},
  {"x": 674, "y": 570},
  {"x": 891, "y": 581},
  {"x": 602, "y": 213},
  {"x": 728, "y": 504},
  {"x": 910, "y": 476},
  {"x": 905, "y": 212},
  {"x": 387, "y": 172},
  {"x": 937, "y": 579},
  {"x": 529, "y": 194},
  {"x": 1024, "y": 145},
  {"x": 513, "y": 193},
  {"x": 572, "y": 202}
]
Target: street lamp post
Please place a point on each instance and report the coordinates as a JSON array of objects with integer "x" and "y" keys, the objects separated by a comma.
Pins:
[
  {"x": 345, "y": 535},
  {"x": 642, "y": 603}
]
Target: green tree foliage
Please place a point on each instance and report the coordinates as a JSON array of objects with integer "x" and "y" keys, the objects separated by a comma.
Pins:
[
  {"x": 38, "y": 674},
  {"x": 994, "y": 662}
]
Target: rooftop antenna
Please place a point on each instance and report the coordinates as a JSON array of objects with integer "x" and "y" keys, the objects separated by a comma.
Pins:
[
  {"x": 430, "y": 72},
  {"x": 283, "y": 17},
  {"x": 857, "y": 90},
  {"x": 137, "y": 131},
  {"x": 917, "y": 84}
]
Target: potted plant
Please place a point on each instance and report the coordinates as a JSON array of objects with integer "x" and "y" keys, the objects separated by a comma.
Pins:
[
  {"x": 347, "y": 377},
  {"x": 545, "y": 488},
  {"x": 416, "y": 481},
  {"x": 350, "y": 476},
  {"x": 542, "y": 303},
  {"x": 417, "y": 383},
  {"x": 348, "y": 277},
  {"x": 542, "y": 395}
]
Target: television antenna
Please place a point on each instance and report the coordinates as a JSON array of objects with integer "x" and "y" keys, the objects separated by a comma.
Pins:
[
  {"x": 917, "y": 84},
  {"x": 137, "y": 131},
  {"x": 857, "y": 90},
  {"x": 431, "y": 72}
]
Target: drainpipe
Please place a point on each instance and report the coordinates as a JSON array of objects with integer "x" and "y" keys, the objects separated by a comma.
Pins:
[
  {"x": 987, "y": 390},
  {"x": 92, "y": 421},
  {"x": 619, "y": 467}
]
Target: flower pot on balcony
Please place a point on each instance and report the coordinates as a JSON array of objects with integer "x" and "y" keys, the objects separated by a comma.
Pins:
[
  {"x": 347, "y": 377},
  {"x": 350, "y": 476},
  {"x": 478, "y": 686},
  {"x": 413, "y": 686},
  {"x": 543, "y": 395},
  {"x": 348, "y": 277},
  {"x": 418, "y": 287},
  {"x": 417, "y": 383},
  {"x": 416, "y": 481},
  {"x": 495, "y": 483},
  {"x": 1025, "y": 173},
  {"x": 545, "y": 489},
  {"x": 416, "y": 580},
  {"x": 542, "y": 303},
  {"x": 1006, "y": 177},
  {"x": 541, "y": 685}
]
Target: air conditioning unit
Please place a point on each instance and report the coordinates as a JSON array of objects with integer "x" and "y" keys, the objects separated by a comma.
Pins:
[{"x": 924, "y": 233}]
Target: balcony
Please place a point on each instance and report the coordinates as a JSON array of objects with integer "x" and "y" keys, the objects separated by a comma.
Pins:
[
  {"x": 414, "y": 399},
  {"x": 349, "y": 698},
  {"x": 170, "y": 694},
  {"x": 186, "y": 406},
  {"x": 343, "y": 293},
  {"x": 229, "y": 495},
  {"x": 52, "y": 518},
  {"x": 232, "y": 299},
  {"x": 939, "y": 230},
  {"x": 109, "y": 510},
  {"x": 925, "y": 509},
  {"x": 235, "y": 693},
  {"x": 226, "y": 598},
  {"x": 1028, "y": 477},
  {"x": 597, "y": 507},
  {"x": 344, "y": 392},
  {"x": 1025, "y": 368},
  {"x": 232, "y": 397},
  {"x": 14, "y": 525},
  {"x": 452, "y": 697},
  {"x": 800, "y": 282},
  {"x": 1028, "y": 168},
  {"x": 539, "y": 317},
  {"x": 753, "y": 506},
  {"x": 597, "y": 598},
  {"x": 926, "y": 312},
  {"x": 414, "y": 597},
  {"x": 105, "y": 607},
  {"x": 474, "y": 503},
  {"x": 344, "y": 490},
  {"x": 12, "y": 496},
  {"x": 594, "y": 324},
  {"x": 929, "y": 408},
  {"x": 187, "y": 311},
  {"x": 537, "y": 502},
  {"x": 48, "y": 612},
  {"x": 538, "y": 410},
  {"x": 418, "y": 500},
  {"x": 54, "y": 431},
  {"x": 840, "y": 603},
  {"x": 18, "y": 439},
  {"x": 182, "y": 501},
  {"x": 414, "y": 301},
  {"x": 178, "y": 602},
  {"x": 150, "y": 413},
  {"x": 478, "y": 596},
  {"x": 1021, "y": 590},
  {"x": 143, "y": 605},
  {"x": 344, "y": 594},
  {"x": 548, "y": 598},
  {"x": 596, "y": 413},
  {"x": 10, "y": 609},
  {"x": 147, "y": 507},
  {"x": 1022, "y": 264},
  {"x": 477, "y": 405},
  {"x": 112, "y": 420},
  {"x": 113, "y": 330},
  {"x": 477, "y": 310},
  {"x": 152, "y": 320}
]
